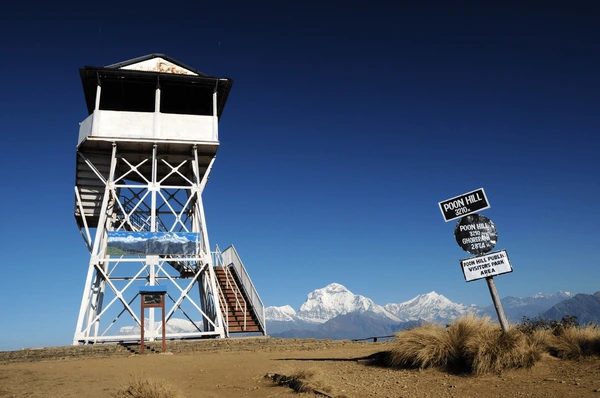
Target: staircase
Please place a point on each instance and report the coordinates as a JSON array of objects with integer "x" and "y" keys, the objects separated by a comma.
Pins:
[
  {"x": 91, "y": 186},
  {"x": 238, "y": 313}
]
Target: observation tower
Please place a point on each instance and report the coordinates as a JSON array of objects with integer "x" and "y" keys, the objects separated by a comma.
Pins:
[{"x": 144, "y": 156}]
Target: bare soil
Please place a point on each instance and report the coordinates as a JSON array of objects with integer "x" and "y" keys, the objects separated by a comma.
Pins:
[{"x": 246, "y": 368}]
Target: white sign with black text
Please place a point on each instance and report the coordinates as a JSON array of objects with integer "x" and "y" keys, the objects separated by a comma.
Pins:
[{"x": 491, "y": 264}]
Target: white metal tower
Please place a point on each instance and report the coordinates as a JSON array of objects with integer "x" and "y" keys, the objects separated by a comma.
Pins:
[{"x": 144, "y": 156}]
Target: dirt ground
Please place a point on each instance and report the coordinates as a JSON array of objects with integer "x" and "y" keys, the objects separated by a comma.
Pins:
[{"x": 244, "y": 368}]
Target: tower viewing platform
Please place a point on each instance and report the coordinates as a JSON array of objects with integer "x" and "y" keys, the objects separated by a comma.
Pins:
[
  {"x": 151, "y": 99},
  {"x": 144, "y": 155},
  {"x": 137, "y": 104}
]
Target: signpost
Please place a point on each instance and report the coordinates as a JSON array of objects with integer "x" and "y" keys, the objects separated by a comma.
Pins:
[
  {"x": 152, "y": 297},
  {"x": 489, "y": 265},
  {"x": 462, "y": 205},
  {"x": 477, "y": 234}
]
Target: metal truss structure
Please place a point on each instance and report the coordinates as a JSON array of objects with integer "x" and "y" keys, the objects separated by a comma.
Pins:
[{"x": 145, "y": 187}]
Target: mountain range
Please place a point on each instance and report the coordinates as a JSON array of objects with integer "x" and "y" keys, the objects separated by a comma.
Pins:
[
  {"x": 335, "y": 312},
  {"x": 584, "y": 306}
]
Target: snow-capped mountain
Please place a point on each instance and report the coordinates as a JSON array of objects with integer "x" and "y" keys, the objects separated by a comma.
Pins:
[
  {"x": 333, "y": 300},
  {"x": 152, "y": 243},
  {"x": 175, "y": 325},
  {"x": 430, "y": 307},
  {"x": 586, "y": 307},
  {"x": 515, "y": 308},
  {"x": 125, "y": 238},
  {"x": 336, "y": 312},
  {"x": 559, "y": 294},
  {"x": 283, "y": 313}
]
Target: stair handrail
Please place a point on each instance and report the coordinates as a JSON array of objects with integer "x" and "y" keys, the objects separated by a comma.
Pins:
[
  {"x": 231, "y": 284},
  {"x": 224, "y": 305},
  {"x": 218, "y": 261},
  {"x": 231, "y": 257}
]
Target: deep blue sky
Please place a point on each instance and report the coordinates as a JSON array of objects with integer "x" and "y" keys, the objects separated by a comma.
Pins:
[{"x": 346, "y": 125}]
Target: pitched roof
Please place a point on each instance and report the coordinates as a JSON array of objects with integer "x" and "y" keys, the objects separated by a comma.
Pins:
[
  {"x": 152, "y": 63},
  {"x": 158, "y": 67}
]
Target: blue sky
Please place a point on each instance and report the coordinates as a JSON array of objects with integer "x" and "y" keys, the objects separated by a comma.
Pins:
[{"x": 345, "y": 127}]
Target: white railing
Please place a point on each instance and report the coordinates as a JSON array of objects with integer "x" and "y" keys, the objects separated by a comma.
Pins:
[
  {"x": 230, "y": 283},
  {"x": 240, "y": 303},
  {"x": 231, "y": 257}
]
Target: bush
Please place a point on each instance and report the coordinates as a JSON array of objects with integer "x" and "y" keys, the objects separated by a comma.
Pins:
[
  {"x": 304, "y": 381},
  {"x": 530, "y": 325},
  {"x": 576, "y": 342},
  {"x": 146, "y": 389},
  {"x": 471, "y": 344},
  {"x": 492, "y": 350},
  {"x": 422, "y": 347},
  {"x": 565, "y": 338}
]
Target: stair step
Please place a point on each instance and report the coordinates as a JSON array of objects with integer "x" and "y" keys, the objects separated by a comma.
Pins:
[
  {"x": 232, "y": 295},
  {"x": 240, "y": 322},
  {"x": 231, "y": 292},
  {"x": 238, "y": 314},
  {"x": 241, "y": 329}
]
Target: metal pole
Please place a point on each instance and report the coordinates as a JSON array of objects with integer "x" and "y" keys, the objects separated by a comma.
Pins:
[
  {"x": 497, "y": 303},
  {"x": 142, "y": 325},
  {"x": 164, "y": 324}
]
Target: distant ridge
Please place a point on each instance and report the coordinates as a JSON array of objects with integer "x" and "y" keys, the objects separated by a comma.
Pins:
[
  {"x": 337, "y": 313},
  {"x": 515, "y": 308},
  {"x": 586, "y": 307}
]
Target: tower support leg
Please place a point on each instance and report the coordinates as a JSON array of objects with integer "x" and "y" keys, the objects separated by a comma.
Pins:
[{"x": 149, "y": 197}]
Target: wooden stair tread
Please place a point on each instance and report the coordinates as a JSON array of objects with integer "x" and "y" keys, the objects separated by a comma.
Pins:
[{"x": 231, "y": 296}]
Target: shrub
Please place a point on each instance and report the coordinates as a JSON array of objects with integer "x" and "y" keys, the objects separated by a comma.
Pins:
[
  {"x": 297, "y": 382},
  {"x": 137, "y": 388},
  {"x": 565, "y": 338},
  {"x": 304, "y": 381},
  {"x": 470, "y": 344},
  {"x": 530, "y": 325},
  {"x": 492, "y": 350},
  {"x": 576, "y": 342},
  {"x": 422, "y": 347}
]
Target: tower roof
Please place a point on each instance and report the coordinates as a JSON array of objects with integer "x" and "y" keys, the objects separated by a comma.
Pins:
[
  {"x": 158, "y": 67},
  {"x": 156, "y": 63}
]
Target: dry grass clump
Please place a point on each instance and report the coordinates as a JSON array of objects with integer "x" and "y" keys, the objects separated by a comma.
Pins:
[
  {"x": 422, "y": 347},
  {"x": 491, "y": 350},
  {"x": 471, "y": 344},
  {"x": 564, "y": 338},
  {"x": 138, "y": 388},
  {"x": 297, "y": 381},
  {"x": 576, "y": 342},
  {"x": 303, "y": 381}
]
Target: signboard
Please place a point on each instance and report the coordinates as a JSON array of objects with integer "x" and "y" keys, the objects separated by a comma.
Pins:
[
  {"x": 148, "y": 243},
  {"x": 467, "y": 203},
  {"x": 151, "y": 299},
  {"x": 476, "y": 234},
  {"x": 491, "y": 264}
]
